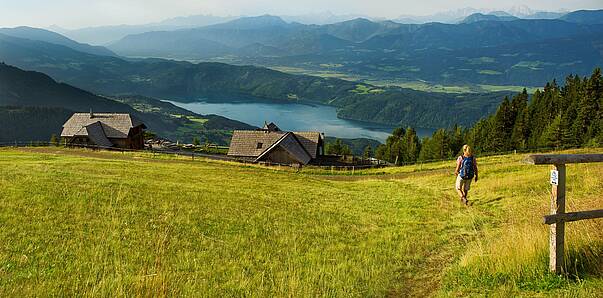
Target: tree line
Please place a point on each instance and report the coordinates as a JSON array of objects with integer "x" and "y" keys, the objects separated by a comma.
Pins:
[{"x": 556, "y": 117}]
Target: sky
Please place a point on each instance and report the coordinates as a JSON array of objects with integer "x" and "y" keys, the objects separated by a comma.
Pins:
[{"x": 83, "y": 13}]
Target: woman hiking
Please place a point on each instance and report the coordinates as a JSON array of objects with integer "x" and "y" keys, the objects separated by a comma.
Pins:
[{"x": 466, "y": 170}]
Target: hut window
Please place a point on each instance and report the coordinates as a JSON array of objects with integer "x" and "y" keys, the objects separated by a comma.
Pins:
[{"x": 260, "y": 145}]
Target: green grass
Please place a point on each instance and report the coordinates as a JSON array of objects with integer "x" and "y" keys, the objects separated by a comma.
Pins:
[
  {"x": 415, "y": 85},
  {"x": 495, "y": 88},
  {"x": 84, "y": 223},
  {"x": 533, "y": 65},
  {"x": 481, "y": 60},
  {"x": 365, "y": 89},
  {"x": 489, "y": 72},
  {"x": 197, "y": 119}
]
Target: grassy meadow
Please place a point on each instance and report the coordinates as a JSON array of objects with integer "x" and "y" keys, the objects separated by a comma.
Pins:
[
  {"x": 82, "y": 223},
  {"x": 332, "y": 72}
]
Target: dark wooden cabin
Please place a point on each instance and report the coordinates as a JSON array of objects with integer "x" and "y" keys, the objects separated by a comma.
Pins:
[{"x": 108, "y": 130}]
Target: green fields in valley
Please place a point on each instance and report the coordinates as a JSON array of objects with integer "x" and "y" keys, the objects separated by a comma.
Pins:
[
  {"x": 415, "y": 85},
  {"x": 85, "y": 223}
]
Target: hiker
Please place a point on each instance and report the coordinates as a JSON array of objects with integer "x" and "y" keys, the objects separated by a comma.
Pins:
[{"x": 466, "y": 170}]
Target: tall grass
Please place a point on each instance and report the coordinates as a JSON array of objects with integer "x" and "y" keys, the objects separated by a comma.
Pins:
[
  {"x": 110, "y": 224},
  {"x": 513, "y": 258}
]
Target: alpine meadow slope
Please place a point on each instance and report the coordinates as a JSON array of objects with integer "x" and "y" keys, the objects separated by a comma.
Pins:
[{"x": 136, "y": 224}]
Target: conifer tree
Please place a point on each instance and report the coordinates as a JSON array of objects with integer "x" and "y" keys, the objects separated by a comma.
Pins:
[
  {"x": 412, "y": 144},
  {"x": 368, "y": 151},
  {"x": 551, "y": 137},
  {"x": 54, "y": 140},
  {"x": 502, "y": 127}
]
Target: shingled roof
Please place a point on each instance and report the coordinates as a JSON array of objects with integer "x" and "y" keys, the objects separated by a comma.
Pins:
[
  {"x": 114, "y": 126},
  {"x": 245, "y": 143},
  {"x": 95, "y": 133},
  {"x": 310, "y": 141},
  {"x": 290, "y": 144}
]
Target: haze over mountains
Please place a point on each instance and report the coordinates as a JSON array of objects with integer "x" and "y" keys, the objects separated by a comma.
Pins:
[
  {"x": 103, "y": 35},
  {"x": 55, "y": 38},
  {"x": 495, "y": 48},
  {"x": 482, "y": 49},
  {"x": 184, "y": 81},
  {"x": 106, "y": 34}
]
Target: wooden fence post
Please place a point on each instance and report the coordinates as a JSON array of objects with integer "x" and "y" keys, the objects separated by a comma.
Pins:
[
  {"x": 558, "y": 217},
  {"x": 557, "y": 235}
]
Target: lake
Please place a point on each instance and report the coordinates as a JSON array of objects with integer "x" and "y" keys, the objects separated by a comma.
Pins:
[{"x": 295, "y": 117}]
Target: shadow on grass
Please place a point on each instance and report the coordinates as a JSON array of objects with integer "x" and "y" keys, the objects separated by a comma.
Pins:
[
  {"x": 584, "y": 260},
  {"x": 581, "y": 262},
  {"x": 490, "y": 201}
]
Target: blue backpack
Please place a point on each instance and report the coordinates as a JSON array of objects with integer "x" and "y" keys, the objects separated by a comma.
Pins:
[{"x": 466, "y": 171}]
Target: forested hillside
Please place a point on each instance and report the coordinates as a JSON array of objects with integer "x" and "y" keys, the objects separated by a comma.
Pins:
[
  {"x": 33, "y": 106},
  {"x": 567, "y": 116},
  {"x": 183, "y": 81},
  {"x": 25, "y": 124}
]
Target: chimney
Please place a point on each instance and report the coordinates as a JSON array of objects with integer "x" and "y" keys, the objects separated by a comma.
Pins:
[{"x": 91, "y": 114}]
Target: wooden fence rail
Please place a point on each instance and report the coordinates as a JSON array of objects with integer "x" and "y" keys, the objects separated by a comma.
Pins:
[{"x": 558, "y": 216}]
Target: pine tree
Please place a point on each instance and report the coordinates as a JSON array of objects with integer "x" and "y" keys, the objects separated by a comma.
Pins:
[
  {"x": 585, "y": 116},
  {"x": 552, "y": 135},
  {"x": 412, "y": 145},
  {"x": 381, "y": 153},
  {"x": 520, "y": 130},
  {"x": 427, "y": 152},
  {"x": 438, "y": 147},
  {"x": 339, "y": 148},
  {"x": 502, "y": 127},
  {"x": 368, "y": 152},
  {"x": 54, "y": 140}
]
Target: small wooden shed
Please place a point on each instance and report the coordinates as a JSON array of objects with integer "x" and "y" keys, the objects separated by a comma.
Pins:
[{"x": 271, "y": 144}]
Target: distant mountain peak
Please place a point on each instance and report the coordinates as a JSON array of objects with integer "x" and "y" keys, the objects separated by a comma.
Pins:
[
  {"x": 591, "y": 17},
  {"x": 479, "y": 17},
  {"x": 54, "y": 38},
  {"x": 360, "y": 20},
  {"x": 500, "y": 13},
  {"x": 258, "y": 21}
]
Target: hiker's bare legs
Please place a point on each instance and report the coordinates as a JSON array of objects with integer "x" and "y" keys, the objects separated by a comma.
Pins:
[{"x": 461, "y": 193}]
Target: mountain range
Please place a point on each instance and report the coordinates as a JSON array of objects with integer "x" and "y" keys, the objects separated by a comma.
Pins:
[
  {"x": 457, "y": 15},
  {"x": 103, "y": 35},
  {"x": 495, "y": 49}
]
